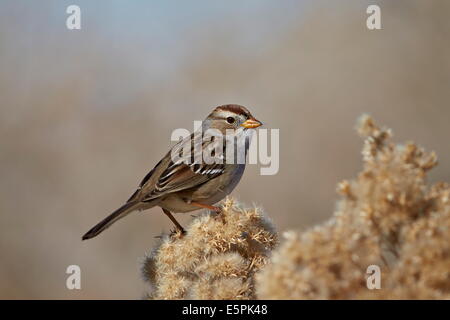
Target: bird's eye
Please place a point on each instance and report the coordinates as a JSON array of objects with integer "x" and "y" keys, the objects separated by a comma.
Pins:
[{"x": 230, "y": 120}]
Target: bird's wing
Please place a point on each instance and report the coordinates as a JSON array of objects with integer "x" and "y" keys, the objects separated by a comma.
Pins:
[{"x": 180, "y": 170}]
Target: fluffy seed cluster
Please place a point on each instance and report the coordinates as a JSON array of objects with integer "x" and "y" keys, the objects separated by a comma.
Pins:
[
  {"x": 217, "y": 258},
  {"x": 388, "y": 217}
]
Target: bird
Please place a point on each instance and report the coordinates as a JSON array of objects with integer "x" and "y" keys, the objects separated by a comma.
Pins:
[{"x": 181, "y": 183}]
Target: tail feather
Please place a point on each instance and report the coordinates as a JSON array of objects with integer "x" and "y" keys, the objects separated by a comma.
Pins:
[{"x": 109, "y": 220}]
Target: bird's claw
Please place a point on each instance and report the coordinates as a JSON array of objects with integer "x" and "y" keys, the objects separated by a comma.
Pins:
[
  {"x": 177, "y": 231},
  {"x": 217, "y": 210}
]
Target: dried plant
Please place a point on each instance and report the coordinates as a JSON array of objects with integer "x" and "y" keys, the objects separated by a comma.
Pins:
[
  {"x": 216, "y": 258},
  {"x": 388, "y": 216}
]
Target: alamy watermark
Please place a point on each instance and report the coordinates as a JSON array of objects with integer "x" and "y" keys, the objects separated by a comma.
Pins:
[
  {"x": 373, "y": 21},
  {"x": 374, "y": 279},
  {"x": 73, "y": 281},
  {"x": 213, "y": 147},
  {"x": 73, "y": 21}
]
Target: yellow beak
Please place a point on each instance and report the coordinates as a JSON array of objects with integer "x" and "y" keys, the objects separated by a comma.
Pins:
[{"x": 251, "y": 123}]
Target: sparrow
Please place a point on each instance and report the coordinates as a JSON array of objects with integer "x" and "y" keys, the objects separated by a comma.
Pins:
[{"x": 180, "y": 182}]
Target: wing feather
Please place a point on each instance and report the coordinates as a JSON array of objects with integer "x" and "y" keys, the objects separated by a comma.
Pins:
[{"x": 185, "y": 172}]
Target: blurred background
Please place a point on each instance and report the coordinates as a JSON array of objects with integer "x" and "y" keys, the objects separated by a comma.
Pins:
[{"x": 85, "y": 114}]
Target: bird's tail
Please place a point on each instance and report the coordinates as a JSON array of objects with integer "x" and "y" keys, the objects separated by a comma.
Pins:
[{"x": 113, "y": 217}]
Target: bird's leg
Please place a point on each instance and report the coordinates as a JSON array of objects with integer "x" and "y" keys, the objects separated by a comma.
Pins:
[
  {"x": 207, "y": 206},
  {"x": 175, "y": 222}
]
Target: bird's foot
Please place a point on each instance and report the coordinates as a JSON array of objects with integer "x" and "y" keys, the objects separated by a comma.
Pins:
[
  {"x": 177, "y": 232},
  {"x": 217, "y": 210}
]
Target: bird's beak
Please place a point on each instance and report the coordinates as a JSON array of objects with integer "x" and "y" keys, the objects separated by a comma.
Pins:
[{"x": 251, "y": 123}]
